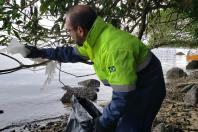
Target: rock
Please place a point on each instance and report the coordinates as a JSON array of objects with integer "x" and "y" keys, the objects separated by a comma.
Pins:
[
  {"x": 66, "y": 87},
  {"x": 65, "y": 98},
  {"x": 169, "y": 128},
  {"x": 192, "y": 65},
  {"x": 191, "y": 97},
  {"x": 88, "y": 91},
  {"x": 90, "y": 83},
  {"x": 180, "y": 53},
  {"x": 1, "y": 111},
  {"x": 160, "y": 128},
  {"x": 83, "y": 92},
  {"x": 187, "y": 88},
  {"x": 175, "y": 73},
  {"x": 172, "y": 128},
  {"x": 193, "y": 75}
]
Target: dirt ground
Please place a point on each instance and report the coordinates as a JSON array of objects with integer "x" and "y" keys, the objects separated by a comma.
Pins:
[{"x": 174, "y": 112}]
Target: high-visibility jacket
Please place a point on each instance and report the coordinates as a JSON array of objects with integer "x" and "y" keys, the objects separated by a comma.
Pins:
[{"x": 117, "y": 55}]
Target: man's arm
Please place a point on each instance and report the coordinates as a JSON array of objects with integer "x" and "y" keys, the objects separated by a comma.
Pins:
[
  {"x": 115, "y": 109},
  {"x": 62, "y": 54}
]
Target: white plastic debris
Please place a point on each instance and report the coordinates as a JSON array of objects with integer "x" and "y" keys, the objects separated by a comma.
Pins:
[
  {"x": 50, "y": 72},
  {"x": 16, "y": 48},
  {"x": 4, "y": 50}
]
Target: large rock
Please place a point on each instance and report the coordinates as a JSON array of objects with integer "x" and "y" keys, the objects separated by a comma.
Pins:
[
  {"x": 191, "y": 97},
  {"x": 175, "y": 73},
  {"x": 192, "y": 65},
  {"x": 83, "y": 92},
  {"x": 180, "y": 53},
  {"x": 90, "y": 83}
]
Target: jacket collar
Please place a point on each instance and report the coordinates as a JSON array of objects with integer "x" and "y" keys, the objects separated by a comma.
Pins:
[{"x": 97, "y": 28}]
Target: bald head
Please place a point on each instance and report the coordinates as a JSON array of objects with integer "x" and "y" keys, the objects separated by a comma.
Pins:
[{"x": 82, "y": 15}]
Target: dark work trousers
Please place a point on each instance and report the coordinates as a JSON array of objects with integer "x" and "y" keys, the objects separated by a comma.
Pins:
[{"x": 144, "y": 102}]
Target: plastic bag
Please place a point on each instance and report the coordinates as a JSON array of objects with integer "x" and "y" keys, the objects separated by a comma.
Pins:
[
  {"x": 50, "y": 72},
  {"x": 16, "y": 48},
  {"x": 82, "y": 115}
]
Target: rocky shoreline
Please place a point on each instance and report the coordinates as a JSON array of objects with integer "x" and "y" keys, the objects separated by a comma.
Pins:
[{"x": 177, "y": 113}]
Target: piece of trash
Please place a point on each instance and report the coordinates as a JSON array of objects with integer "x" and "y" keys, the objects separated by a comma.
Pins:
[
  {"x": 50, "y": 72},
  {"x": 82, "y": 115},
  {"x": 17, "y": 48}
]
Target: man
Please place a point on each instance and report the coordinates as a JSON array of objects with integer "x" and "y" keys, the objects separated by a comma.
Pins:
[{"x": 122, "y": 62}]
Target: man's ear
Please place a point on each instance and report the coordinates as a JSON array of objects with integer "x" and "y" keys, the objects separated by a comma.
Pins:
[{"x": 81, "y": 31}]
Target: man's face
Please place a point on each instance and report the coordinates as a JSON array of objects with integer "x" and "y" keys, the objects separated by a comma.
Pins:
[{"x": 76, "y": 33}]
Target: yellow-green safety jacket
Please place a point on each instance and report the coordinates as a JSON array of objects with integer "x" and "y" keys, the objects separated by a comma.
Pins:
[{"x": 117, "y": 55}]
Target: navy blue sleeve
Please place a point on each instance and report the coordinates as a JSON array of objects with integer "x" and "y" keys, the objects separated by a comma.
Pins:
[
  {"x": 115, "y": 109},
  {"x": 62, "y": 54}
]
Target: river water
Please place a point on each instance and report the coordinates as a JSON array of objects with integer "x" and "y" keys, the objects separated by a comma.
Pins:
[{"x": 23, "y": 99}]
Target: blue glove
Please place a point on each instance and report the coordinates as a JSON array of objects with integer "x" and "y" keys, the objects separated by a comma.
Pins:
[{"x": 34, "y": 52}]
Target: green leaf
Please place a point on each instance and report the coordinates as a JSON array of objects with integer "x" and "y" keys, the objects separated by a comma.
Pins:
[
  {"x": 23, "y": 4},
  {"x": 26, "y": 39},
  {"x": 3, "y": 42},
  {"x": 35, "y": 12},
  {"x": 19, "y": 22},
  {"x": 2, "y": 2},
  {"x": 63, "y": 24},
  {"x": 44, "y": 7},
  {"x": 56, "y": 28},
  {"x": 15, "y": 14},
  {"x": 31, "y": 10},
  {"x": 16, "y": 34},
  {"x": 9, "y": 27}
]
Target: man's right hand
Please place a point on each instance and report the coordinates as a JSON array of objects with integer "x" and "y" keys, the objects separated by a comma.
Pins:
[{"x": 34, "y": 52}]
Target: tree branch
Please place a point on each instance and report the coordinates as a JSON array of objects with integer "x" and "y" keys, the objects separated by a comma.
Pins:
[{"x": 21, "y": 65}]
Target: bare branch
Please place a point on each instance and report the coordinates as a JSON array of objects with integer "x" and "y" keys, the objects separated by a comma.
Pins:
[{"x": 21, "y": 65}]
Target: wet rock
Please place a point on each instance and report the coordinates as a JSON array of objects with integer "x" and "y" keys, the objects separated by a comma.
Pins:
[
  {"x": 90, "y": 83},
  {"x": 192, "y": 65},
  {"x": 83, "y": 92},
  {"x": 175, "y": 73},
  {"x": 191, "y": 96},
  {"x": 180, "y": 53},
  {"x": 1, "y": 111}
]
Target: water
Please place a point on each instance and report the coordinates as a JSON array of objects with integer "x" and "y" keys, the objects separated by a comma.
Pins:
[
  {"x": 169, "y": 58},
  {"x": 23, "y": 99}
]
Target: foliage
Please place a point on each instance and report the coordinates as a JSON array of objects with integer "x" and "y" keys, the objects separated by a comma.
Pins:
[
  {"x": 175, "y": 26},
  {"x": 41, "y": 22},
  {"x": 190, "y": 10},
  {"x": 167, "y": 27}
]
